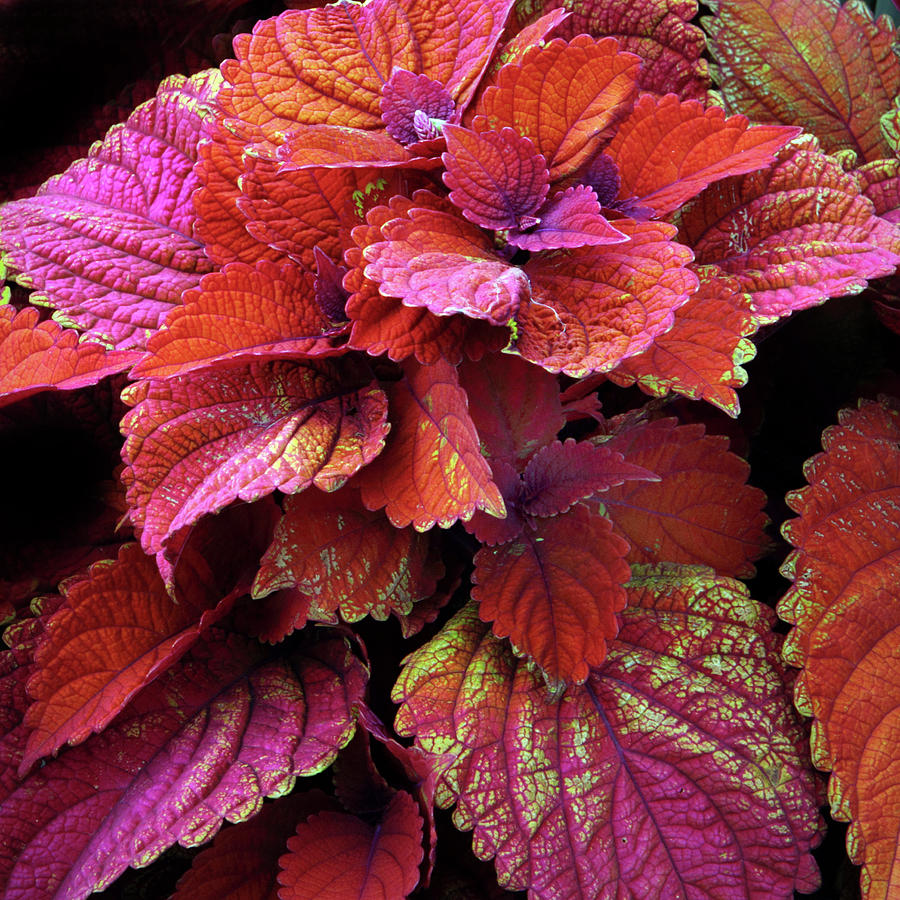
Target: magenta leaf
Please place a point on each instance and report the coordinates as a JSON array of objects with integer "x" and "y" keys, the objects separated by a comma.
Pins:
[
  {"x": 231, "y": 724},
  {"x": 414, "y": 107},
  {"x": 571, "y": 218},
  {"x": 497, "y": 178},
  {"x": 677, "y": 769}
]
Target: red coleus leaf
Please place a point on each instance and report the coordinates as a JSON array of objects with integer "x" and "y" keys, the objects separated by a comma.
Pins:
[
  {"x": 230, "y": 724},
  {"x": 432, "y": 471},
  {"x": 242, "y": 862},
  {"x": 565, "y": 97},
  {"x": 555, "y": 591},
  {"x": 334, "y": 856},
  {"x": 239, "y": 314},
  {"x": 515, "y": 406},
  {"x": 496, "y": 178},
  {"x": 847, "y": 634},
  {"x": 702, "y": 356},
  {"x": 434, "y": 259},
  {"x": 108, "y": 243},
  {"x": 829, "y": 68},
  {"x": 880, "y": 182},
  {"x": 700, "y": 510},
  {"x": 667, "y": 151},
  {"x": 117, "y": 630},
  {"x": 794, "y": 234},
  {"x": 381, "y": 324},
  {"x": 350, "y": 52},
  {"x": 38, "y": 356},
  {"x": 195, "y": 443},
  {"x": 677, "y": 768},
  {"x": 594, "y": 306},
  {"x": 345, "y": 557}
]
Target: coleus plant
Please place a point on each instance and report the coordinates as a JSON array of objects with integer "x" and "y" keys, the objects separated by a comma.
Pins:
[{"x": 350, "y": 298}]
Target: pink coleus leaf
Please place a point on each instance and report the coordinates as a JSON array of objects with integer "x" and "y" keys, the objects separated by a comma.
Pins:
[
  {"x": 847, "y": 628},
  {"x": 699, "y": 511},
  {"x": 242, "y": 313},
  {"x": 496, "y": 178},
  {"x": 230, "y": 724},
  {"x": 560, "y": 474},
  {"x": 432, "y": 471},
  {"x": 690, "y": 750},
  {"x": 702, "y": 356},
  {"x": 117, "y": 630},
  {"x": 334, "y": 856},
  {"x": 667, "y": 151},
  {"x": 599, "y": 85},
  {"x": 825, "y": 66},
  {"x": 348, "y": 558},
  {"x": 571, "y": 218},
  {"x": 108, "y": 243},
  {"x": 437, "y": 260},
  {"x": 38, "y": 356},
  {"x": 195, "y": 443},
  {"x": 595, "y": 306},
  {"x": 382, "y": 324},
  {"x": 242, "y": 862},
  {"x": 515, "y": 406},
  {"x": 555, "y": 591},
  {"x": 415, "y": 107},
  {"x": 794, "y": 233}
]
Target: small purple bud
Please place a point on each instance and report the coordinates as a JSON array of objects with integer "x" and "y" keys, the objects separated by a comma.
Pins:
[{"x": 413, "y": 107}]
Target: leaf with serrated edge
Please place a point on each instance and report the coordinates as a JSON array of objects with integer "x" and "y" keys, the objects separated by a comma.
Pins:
[
  {"x": 847, "y": 635},
  {"x": 676, "y": 768},
  {"x": 232, "y": 723},
  {"x": 195, "y": 443}
]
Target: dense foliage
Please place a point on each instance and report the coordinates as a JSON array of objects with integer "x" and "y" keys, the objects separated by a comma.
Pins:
[{"x": 365, "y": 402}]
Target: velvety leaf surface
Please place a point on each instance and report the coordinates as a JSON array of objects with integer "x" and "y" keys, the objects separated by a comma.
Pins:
[
  {"x": 659, "y": 31},
  {"x": 382, "y": 324},
  {"x": 117, "y": 630},
  {"x": 515, "y": 406},
  {"x": 667, "y": 151},
  {"x": 437, "y": 260},
  {"x": 345, "y": 557},
  {"x": 826, "y": 67},
  {"x": 565, "y": 97},
  {"x": 432, "y": 471},
  {"x": 38, "y": 356},
  {"x": 847, "y": 634},
  {"x": 702, "y": 356},
  {"x": 794, "y": 234},
  {"x": 594, "y": 306},
  {"x": 562, "y": 473},
  {"x": 194, "y": 444},
  {"x": 226, "y": 727},
  {"x": 349, "y": 53},
  {"x": 676, "y": 769},
  {"x": 496, "y": 178},
  {"x": 555, "y": 591},
  {"x": 700, "y": 511},
  {"x": 242, "y": 862},
  {"x": 242, "y": 313},
  {"x": 880, "y": 182},
  {"x": 334, "y": 856},
  {"x": 108, "y": 243}
]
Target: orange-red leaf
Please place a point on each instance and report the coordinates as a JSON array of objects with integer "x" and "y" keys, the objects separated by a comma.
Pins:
[
  {"x": 703, "y": 354},
  {"x": 700, "y": 511},
  {"x": 345, "y": 557},
  {"x": 334, "y": 856},
  {"x": 432, "y": 470},
  {"x": 38, "y": 356},
  {"x": 827, "y": 67},
  {"x": 565, "y": 97},
  {"x": 555, "y": 591},
  {"x": 844, "y": 605},
  {"x": 667, "y": 151}
]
